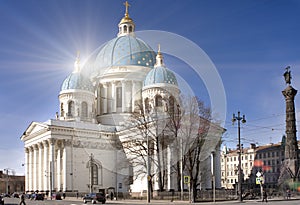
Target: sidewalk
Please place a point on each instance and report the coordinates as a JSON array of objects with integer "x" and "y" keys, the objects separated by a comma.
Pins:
[{"x": 137, "y": 201}]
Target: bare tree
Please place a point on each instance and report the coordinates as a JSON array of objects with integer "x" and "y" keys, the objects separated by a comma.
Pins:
[
  {"x": 146, "y": 139},
  {"x": 199, "y": 138}
]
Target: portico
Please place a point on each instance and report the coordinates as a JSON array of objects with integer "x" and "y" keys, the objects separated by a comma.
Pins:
[{"x": 44, "y": 158}]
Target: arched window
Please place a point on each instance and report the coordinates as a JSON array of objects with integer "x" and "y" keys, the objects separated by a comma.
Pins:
[
  {"x": 125, "y": 29},
  {"x": 62, "y": 110},
  {"x": 130, "y": 29},
  {"x": 158, "y": 101},
  {"x": 71, "y": 109},
  {"x": 84, "y": 109},
  {"x": 94, "y": 171},
  {"x": 147, "y": 107}
]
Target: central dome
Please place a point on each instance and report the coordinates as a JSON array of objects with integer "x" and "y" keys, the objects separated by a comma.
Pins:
[{"x": 125, "y": 51}]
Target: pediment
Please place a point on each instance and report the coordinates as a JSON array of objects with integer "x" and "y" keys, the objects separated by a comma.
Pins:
[{"x": 33, "y": 129}]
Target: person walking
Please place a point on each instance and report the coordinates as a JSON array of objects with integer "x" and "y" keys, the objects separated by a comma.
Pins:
[
  {"x": 288, "y": 194},
  {"x": 265, "y": 196},
  {"x": 22, "y": 199}
]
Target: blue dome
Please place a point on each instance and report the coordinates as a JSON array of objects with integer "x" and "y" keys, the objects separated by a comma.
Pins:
[
  {"x": 77, "y": 81},
  {"x": 160, "y": 74},
  {"x": 125, "y": 50}
]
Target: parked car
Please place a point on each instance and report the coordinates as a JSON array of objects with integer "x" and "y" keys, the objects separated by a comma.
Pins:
[
  {"x": 15, "y": 195},
  {"x": 94, "y": 198},
  {"x": 6, "y": 195},
  {"x": 38, "y": 197},
  {"x": 56, "y": 196},
  {"x": 1, "y": 200}
]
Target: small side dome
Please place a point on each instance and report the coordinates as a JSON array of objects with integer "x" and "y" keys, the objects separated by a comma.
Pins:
[
  {"x": 160, "y": 73},
  {"x": 77, "y": 81}
]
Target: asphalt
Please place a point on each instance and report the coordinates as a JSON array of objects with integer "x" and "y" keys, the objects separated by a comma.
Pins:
[{"x": 153, "y": 201}]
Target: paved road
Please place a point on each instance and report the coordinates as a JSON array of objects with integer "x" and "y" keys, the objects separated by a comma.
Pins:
[{"x": 74, "y": 201}]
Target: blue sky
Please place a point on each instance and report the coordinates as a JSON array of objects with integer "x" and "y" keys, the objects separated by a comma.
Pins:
[{"x": 250, "y": 42}]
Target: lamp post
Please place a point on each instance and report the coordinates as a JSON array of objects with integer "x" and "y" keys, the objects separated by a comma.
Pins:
[
  {"x": 7, "y": 177},
  {"x": 239, "y": 118},
  {"x": 6, "y": 180}
]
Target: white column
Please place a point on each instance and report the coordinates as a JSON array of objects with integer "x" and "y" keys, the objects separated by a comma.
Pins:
[
  {"x": 133, "y": 92},
  {"x": 217, "y": 170},
  {"x": 113, "y": 97},
  {"x": 40, "y": 167},
  {"x": 104, "y": 98},
  {"x": 67, "y": 172},
  {"x": 35, "y": 171},
  {"x": 30, "y": 165},
  {"x": 58, "y": 170},
  {"x": 46, "y": 170},
  {"x": 51, "y": 161},
  {"x": 98, "y": 101},
  {"x": 169, "y": 172},
  {"x": 138, "y": 91},
  {"x": 26, "y": 169},
  {"x": 123, "y": 96},
  {"x": 109, "y": 98}
]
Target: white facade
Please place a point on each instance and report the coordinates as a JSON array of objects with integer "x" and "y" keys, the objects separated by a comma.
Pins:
[
  {"x": 229, "y": 165},
  {"x": 81, "y": 150}
]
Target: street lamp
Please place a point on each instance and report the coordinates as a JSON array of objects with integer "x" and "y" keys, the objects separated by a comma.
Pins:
[
  {"x": 239, "y": 118},
  {"x": 7, "y": 177}
]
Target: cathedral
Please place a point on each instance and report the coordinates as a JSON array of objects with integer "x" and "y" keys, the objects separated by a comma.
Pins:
[{"x": 83, "y": 148}]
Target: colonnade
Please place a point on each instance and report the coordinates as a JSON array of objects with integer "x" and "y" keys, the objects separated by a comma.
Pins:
[
  {"x": 48, "y": 165},
  {"x": 118, "y": 96}
]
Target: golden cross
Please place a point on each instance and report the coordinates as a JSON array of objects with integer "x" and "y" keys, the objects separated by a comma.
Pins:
[{"x": 126, "y": 7}]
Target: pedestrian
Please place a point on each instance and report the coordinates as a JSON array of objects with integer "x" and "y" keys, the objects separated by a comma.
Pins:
[
  {"x": 64, "y": 195},
  {"x": 173, "y": 193},
  {"x": 265, "y": 196},
  {"x": 288, "y": 194},
  {"x": 111, "y": 196},
  {"x": 77, "y": 195},
  {"x": 22, "y": 199}
]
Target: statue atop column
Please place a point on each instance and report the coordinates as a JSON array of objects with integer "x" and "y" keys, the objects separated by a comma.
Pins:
[
  {"x": 290, "y": 166},
  {"x": 287, "y": 75}
]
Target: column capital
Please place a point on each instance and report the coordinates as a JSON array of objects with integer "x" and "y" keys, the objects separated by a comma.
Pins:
[
  {"x": 104, "y": 84},
  {"x": 59, "y": 143},
  {"x": 27, "y": 150},
  {"x": 30, "y": 148},
  {"x": 51, "y": 141},
  {"x": 124, "y": 82},
  {"x": 35, "y": 147},
  {"x": 289, "y": 93},
  {"x": 40, "y": 145},
  {"x": 66, "y": 143},
  {"x": 45, "y": 143}
]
